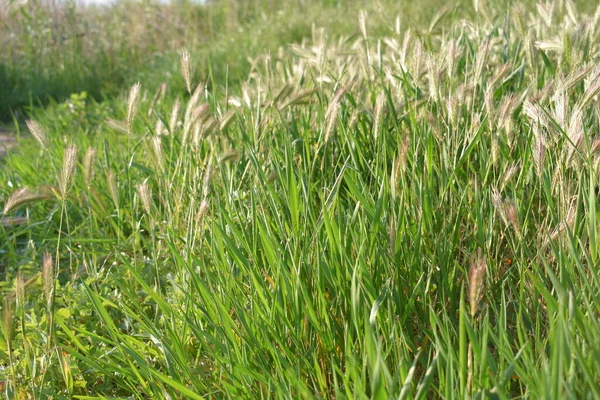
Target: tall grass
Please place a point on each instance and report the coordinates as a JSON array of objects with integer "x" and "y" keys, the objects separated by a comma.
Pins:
[{"x": 407, "y": 216}]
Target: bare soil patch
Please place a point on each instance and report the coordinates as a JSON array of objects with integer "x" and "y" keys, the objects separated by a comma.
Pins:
[{"x": 7, "y": 141}]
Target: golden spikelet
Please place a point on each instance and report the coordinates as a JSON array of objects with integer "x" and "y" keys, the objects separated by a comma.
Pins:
[{"x": 67, "y": 172}]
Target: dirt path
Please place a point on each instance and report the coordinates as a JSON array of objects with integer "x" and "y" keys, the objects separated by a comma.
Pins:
[{"x": 7, "y": 141}]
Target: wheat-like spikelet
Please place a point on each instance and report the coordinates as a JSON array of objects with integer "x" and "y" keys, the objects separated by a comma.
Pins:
[
  {"x": 67, "y": 172},
  {"x": 38, "y": 133},
  {"x": 132, "y": 105},
  {"x": 23, "y": 196}
]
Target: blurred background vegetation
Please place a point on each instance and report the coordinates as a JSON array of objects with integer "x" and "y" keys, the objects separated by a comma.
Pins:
[{"x": 53, "y": 49}]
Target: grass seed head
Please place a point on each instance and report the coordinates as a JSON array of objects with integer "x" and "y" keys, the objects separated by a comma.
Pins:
[
  {"x": 186, "y": 69},
  {"x": 379, "y": 105},
  {"x": 23, "y": 196},
  {"x": 8, "y": 320},
  {"x": 208, "y": 173},
  {"x": 20, "y": 291},
  {"x": 38, "y": 133},
  {"x": 145, "y": 194},
  {"x": 174, "y": 116},
  {"x": 362, "y": 21},
  {"x": 477, "y": 272},
  {"x": 48, "y": 276},
  {"x": 88, "y": 166},
  {"x": 113, "y": 189},
  {"x": 67, "y": 172},
  {"x": 132, "y": 105},
  {"x": 157, "y": 152}
]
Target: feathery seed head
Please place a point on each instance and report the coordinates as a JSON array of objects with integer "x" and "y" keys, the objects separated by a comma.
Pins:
[
  {"x": 112, "y": 187},
  {"x": 38, "y": 133},
  {"x": 362, "y": 20},
  {"x": 132, "y": 104},
  {"x": 23, "y": 196},
  {"x": 48, "y": 276},
  {"x": 186, "y": 69},
  {"x": 88, "y": 166},
  {"x": 174, "y": 116},
  {"x": 379, "y": 105},
  {"x": 67, "y": 172},
  {"x": 145, "y": 194},
  {"x": 477, "y": 272}
]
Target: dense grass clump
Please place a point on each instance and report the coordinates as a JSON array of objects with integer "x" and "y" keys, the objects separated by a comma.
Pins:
[{"x": 407, "y": 215}]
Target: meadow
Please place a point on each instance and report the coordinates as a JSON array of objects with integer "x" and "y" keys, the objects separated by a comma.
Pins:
[{"x": 301, "y": 199}]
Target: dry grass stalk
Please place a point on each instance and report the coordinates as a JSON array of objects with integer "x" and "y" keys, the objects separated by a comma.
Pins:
[
  {"x": 38, "y": 133},
  {"x": 132, "y": 105},
  {"x": 67, "y": 172},
  {"x": 23, "y": 196}
]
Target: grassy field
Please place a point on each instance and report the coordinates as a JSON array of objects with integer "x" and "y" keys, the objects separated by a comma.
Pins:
[{"x": 307, "y": 199}]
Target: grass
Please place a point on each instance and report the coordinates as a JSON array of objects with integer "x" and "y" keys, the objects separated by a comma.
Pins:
[{"x": 383, "y": 211}]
